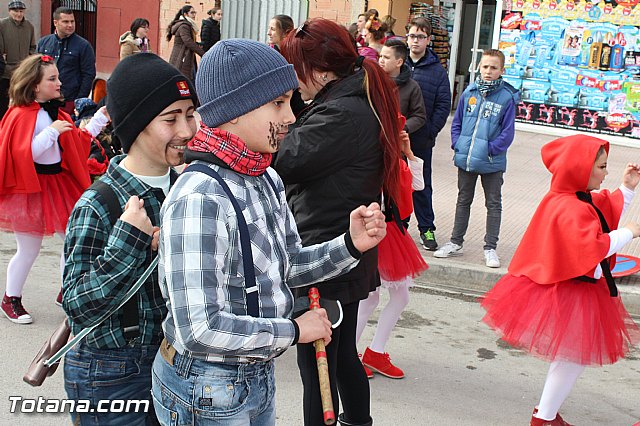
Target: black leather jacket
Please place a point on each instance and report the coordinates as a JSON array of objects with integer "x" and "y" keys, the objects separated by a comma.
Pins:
[{"x": 332, "y": 162}]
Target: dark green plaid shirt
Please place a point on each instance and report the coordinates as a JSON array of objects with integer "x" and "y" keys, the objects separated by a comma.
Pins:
[{"x": 103, "y": 261}]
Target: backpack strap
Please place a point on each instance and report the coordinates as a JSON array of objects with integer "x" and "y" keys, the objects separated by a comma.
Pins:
[
  {"x": 251, "y": 289},
  {"x": 130, "y": 314}
]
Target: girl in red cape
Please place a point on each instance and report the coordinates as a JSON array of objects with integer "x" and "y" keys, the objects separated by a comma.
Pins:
[
  {"x": 43, "y": 170},
  {"x": 399, "y": 262},
  {"x": 558, "y": 300}
]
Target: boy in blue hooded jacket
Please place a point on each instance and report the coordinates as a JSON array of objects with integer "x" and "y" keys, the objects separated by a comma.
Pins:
[{"x": 481, "y": 132}]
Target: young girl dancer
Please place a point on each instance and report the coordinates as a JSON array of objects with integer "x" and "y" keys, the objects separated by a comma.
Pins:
[
  {"x": 399, "y": 261},
  {"x": 43, "y": 170},
  {"x": 558, "y": 300}
]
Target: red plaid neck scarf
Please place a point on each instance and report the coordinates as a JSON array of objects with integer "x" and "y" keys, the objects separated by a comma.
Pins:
[{"x": 230, "y": 149}]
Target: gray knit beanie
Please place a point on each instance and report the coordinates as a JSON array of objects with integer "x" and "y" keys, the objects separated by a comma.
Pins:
[{"x": 237, "y": 76}]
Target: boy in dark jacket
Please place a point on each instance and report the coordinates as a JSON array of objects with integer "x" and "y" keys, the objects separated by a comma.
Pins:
[
  {"x": 481, "y": 132},
  {"x": 392, "y": 61},
  {"x": 434, "y": 82}
]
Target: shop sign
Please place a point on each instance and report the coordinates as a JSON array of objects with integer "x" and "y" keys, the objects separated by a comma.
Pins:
[{"x": 576, "y": 63}]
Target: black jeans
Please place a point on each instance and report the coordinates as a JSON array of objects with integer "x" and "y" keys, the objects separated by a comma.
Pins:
[{"x": 346, "y": 374}]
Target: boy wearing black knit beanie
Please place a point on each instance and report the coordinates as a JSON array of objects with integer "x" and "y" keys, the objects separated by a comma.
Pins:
[
  {"x": 152, "y": 110},
  {"x": 230, "y": 251}
]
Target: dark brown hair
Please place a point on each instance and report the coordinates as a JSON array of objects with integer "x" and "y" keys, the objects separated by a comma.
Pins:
[{"x": 421, "y": 24}]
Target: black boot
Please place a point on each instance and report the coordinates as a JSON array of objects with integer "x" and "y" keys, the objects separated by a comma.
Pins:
[{"x": 344, "y": 422}]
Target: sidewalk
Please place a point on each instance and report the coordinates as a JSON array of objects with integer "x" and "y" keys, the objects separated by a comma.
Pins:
[{"x": 525, "y": 183}]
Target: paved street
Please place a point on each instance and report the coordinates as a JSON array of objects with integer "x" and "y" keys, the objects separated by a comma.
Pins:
[{"x": 456, "y": 371}]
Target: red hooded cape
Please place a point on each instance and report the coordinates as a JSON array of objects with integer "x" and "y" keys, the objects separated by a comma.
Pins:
[
  {"x": 17, "y": 172},
  {"x": 565, "y": 239}
]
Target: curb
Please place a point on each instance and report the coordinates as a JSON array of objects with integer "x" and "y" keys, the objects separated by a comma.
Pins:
[{"x": 449, "y": 275}]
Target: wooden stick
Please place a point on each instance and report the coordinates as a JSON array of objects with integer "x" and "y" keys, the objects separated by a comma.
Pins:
[{"x": 323, "y": 366}]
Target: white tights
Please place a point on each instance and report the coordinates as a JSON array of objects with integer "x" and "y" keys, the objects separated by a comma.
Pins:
[
  {"x": 561, "y": 377},
  {"x": 28, "y": 248},
  {"x": 398, "y": 300}
]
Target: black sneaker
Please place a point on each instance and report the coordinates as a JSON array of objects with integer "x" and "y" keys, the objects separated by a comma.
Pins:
[{"x": 428, "y": 239}]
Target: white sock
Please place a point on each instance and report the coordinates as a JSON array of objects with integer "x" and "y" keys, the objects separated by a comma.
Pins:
[
  {"x": 561, "y": 377},
  {"x": 28, "y": 248},
  {"x": 398, "y": 300},
  {"x": 365, "y": 309}
]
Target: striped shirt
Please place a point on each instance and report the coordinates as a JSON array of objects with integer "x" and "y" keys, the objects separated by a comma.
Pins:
[{"x": 201, "y": 269}]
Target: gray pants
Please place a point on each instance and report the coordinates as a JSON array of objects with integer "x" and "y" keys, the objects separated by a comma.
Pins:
[{"x": 492, "y": 185}]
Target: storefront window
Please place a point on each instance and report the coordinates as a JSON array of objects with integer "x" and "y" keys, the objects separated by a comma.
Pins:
[{"x": 576, "y": 63}]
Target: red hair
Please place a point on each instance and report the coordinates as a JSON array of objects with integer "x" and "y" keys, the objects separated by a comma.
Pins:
[{"x": 322, "y": 45}]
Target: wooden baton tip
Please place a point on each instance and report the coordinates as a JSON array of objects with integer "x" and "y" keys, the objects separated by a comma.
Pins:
[{"x": 323, "y": 367}]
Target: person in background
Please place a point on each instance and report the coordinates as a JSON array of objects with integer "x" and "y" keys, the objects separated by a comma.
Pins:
[
  {"x": 390, "y": 21},
  {"x": 399, "y": 260},
  {"x": 343, "y": 151},
  {"x": 210, "y": 30},
  {"x": 482, "y": 131},
  {"x": 135, "y": 40},
  {"x": 185, "y": 29},
  {"x": 73, "y": 56},
  {"x": 17, "y": 41},
  {"x": 152, "y": 111},
  {"x": 83, "y": 108},
  {"x": 374, "y": 33},
  {"x": 427, "y": 71},
  {"x": 43, "y": 170},
  {"x": 359, "y": 36},
  {"x": 279, "y": 27}
]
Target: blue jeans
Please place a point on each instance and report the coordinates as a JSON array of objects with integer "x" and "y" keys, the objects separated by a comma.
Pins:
[
  {"x": 111, "y": 374},
  {"x": 423, "y": 200},
  {"x": 197, "y": 392}
]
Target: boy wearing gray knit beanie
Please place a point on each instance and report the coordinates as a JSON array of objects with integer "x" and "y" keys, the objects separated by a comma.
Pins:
[
  {"x": 152, "y": 106},
  {"x": 230, "y": 251}
]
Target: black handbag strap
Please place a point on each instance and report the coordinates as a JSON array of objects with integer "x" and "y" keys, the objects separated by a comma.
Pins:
[
  {"x": 606, "y": 269},
  {"x": 130, "y": 314},
  {"x": 251, "y": 289}
]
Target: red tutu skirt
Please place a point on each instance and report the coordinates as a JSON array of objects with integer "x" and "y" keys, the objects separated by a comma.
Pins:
[
  {"x": 398, "y": 256},
  {"x": 571, "y": 320},
  {"x": 41, "y": 213}
]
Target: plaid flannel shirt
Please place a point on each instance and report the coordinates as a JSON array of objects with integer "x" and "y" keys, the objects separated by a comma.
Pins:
[
  {"x": 104, "y": 261},
  {"x": 201, "y": 269}
]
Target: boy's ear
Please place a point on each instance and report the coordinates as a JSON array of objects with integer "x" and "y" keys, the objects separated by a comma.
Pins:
[{"x": 234, "y": 120}]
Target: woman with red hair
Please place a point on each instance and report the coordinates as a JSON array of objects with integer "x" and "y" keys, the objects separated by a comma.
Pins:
[{"x": 342, "y": 152}]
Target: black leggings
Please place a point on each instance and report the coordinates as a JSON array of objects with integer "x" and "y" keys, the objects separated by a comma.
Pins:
[{"x": 346, "y": 374}]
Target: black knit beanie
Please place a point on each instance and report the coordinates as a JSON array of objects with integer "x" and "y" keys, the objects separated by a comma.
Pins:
[{"x": 139, "y": 88}]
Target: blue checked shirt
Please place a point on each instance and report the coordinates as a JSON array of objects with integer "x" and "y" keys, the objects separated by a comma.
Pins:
[
  {"x": 201, "y": 270},
  {"x": 104, "y": 261}
]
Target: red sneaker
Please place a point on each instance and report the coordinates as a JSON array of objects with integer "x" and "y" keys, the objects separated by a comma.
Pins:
[
  {"x": 59, "y": 299},
  {"x": 368, "y": 372},
  {"x": 558, "y": 421},
  {"x": 381, "y": 362},
  {"x": 13, "y": 309}
]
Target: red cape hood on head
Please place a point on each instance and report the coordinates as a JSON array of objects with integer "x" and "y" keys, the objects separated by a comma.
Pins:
[
  {"x": 17, "y": 172},
  {"x": 565, "y": 239}
]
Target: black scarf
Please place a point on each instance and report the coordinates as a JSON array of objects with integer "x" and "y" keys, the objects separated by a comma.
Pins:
[{"x": 52, "y": 107}]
